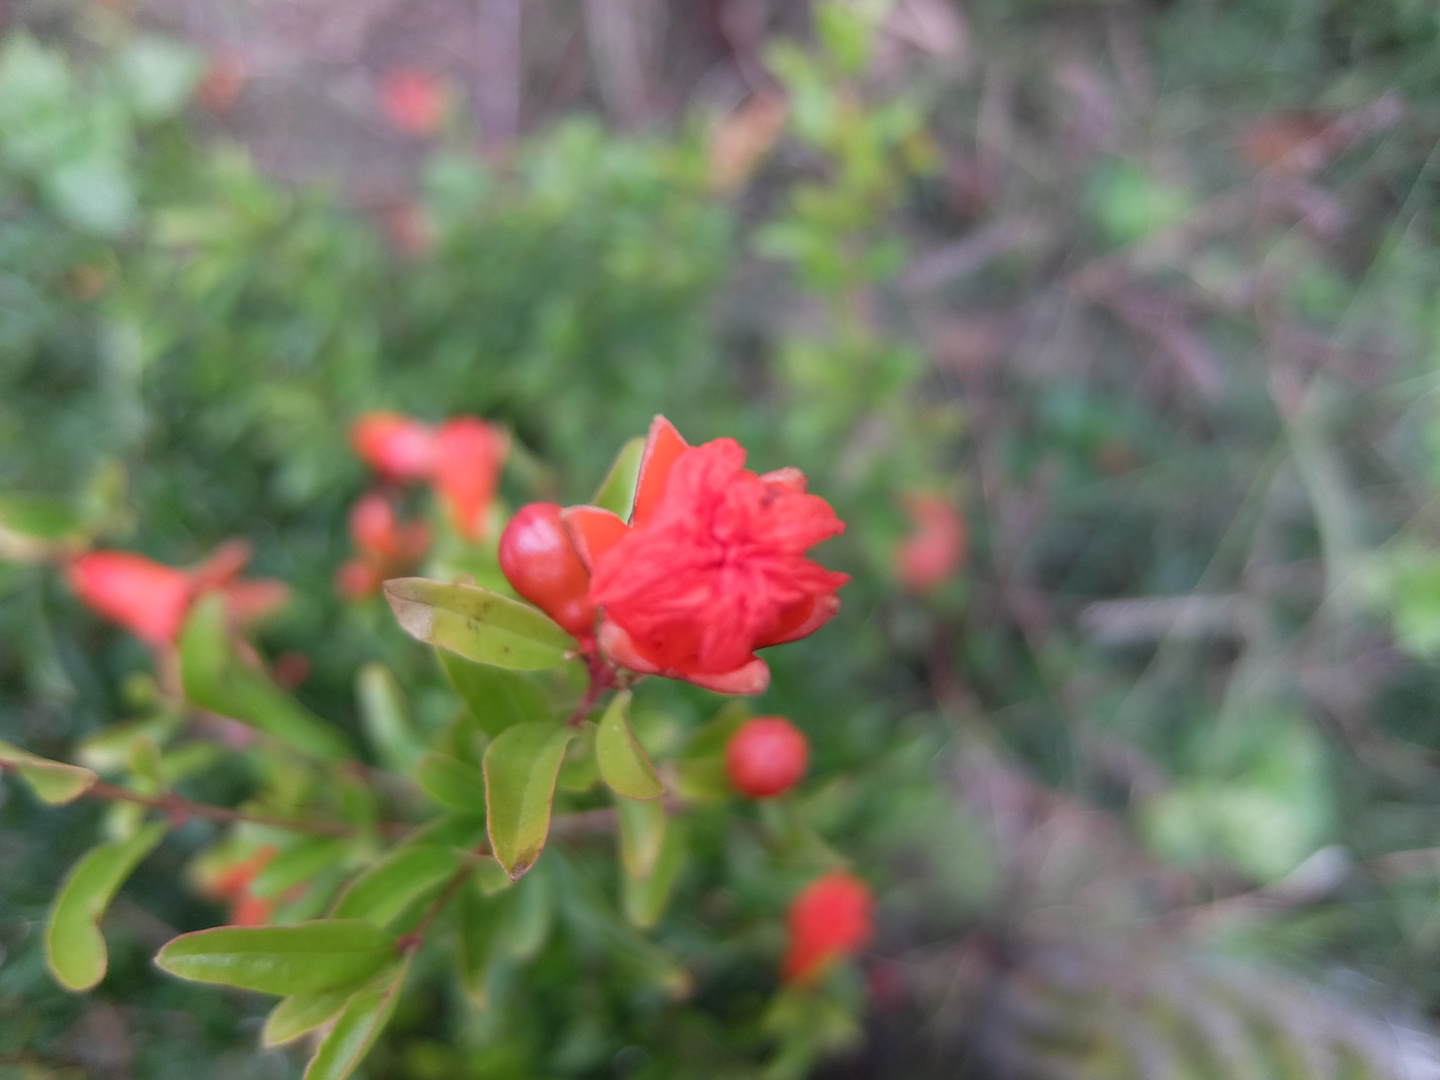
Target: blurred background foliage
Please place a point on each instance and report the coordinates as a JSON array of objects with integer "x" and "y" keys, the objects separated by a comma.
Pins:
[{"x": 1149, "y": 787}]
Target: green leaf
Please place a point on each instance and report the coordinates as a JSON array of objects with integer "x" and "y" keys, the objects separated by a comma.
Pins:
[
  {"x": 384, "y": 891},
  {"x": 645, "y": 898},
  {"x": 700, "y": 775},
  {"x": 109, "y": 750},
  {"x": 580, "y": 770},
  {"x": 532, "y": 914},
  {"x": 305, "y": 958},
  {"x": 478, "y": 624},
  {"x": 157, "y": 76},
  {"x": 298, "y": 862},
  {"x": 384, "y": 719},
  {"x": 617, "y": 491},
  {"x": 450, "y": 782},
  {"x": 358, "y": 1026},
  {"x": 521, "y": 766},
  {"x": 463, "y": 831},
  {"x": 53, "y": 782},
  {"x": 74, "y": 946},
  {"x": 216, "y": 680},
  {"x": 496, "y": 698},
  {"x": 481, "y": 923},
  {"x": 642, "y": 831},
  {"x": 296, "y": 1015},
  {"x": 622, "y": 763},
  {"x": 41, "y": 517},
  {"x": 711, "y": 738}
]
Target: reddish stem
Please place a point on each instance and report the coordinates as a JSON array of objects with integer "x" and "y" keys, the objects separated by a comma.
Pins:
[{"x": 602, "y": 678}]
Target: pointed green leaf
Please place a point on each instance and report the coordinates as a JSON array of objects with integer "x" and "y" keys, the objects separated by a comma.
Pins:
[
  {"x": 298, "y": 862},
  {"x": 478, "y": 624},
  {"x": 623, "y": 763},
  {"x": 392, "y": 884},
  {"x": 74, "y": 946},
  {"x": 531, "y": 916},
  {"x": 520, "y": 770},
  {"x": 384, "y": 718},
  {"x": 580, "y": 771},
  {"x": 53, "y": 782},
  {"x": 296, "y": 1015},
  {"x": 216, "y": 680},
  {"x": 450, "y": 782},
  {"x": 617, "y": 491},
  {"x": 358, "y": 1025},
  {"x": 642, "y": 831},
  {"x": 305, "y": 958},
  {"x": 645, "y": 898},
  {"x": 42, "y": 517},
  {"x": 109, "y": 750},
  {"x": 496, "y": 698}
]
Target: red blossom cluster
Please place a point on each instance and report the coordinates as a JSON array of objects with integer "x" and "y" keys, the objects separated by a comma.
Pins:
[
  {"x": 412, "y": 101},
  {"x": 151, "y": 599},
  {"x": 231, "y": 886},
  {"x": 709, "y": 567},
  {"x": 461, "y": 458},
  {"x": 831, "y": 918}
]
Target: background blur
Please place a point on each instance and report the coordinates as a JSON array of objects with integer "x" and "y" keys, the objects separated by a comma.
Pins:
[{"x": 1146, "y": 291}]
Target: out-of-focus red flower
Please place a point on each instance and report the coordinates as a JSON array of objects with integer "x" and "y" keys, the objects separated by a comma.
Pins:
[
  {"x": 468, "y": 457},
  {"x": 935, "y": 549},
  {"x": 711, "y": 566},
  {"x": 151, "y": 599},
  {"x": 225, "y": 76},
  {"x": 766, "y": 756},
  {"x": 232, "y": 884},
  {"x": 539, "y": 561},
  {"x": 395, "y": 446},
  {"x": 831, "y": 918},
  {"x": 412, "y": 101},
  {"x": 291, "y": 668},
  {"x": 356, "y": 579}
]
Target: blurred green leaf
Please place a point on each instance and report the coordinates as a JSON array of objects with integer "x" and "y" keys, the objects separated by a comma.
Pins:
[
  {"x": 623, "y": 764},
  {"x": 157, "y": 76},
  {"x": 384, "y": 718},
  {"x": 580, "y": 771},
  {"x": 216, "y": 680},
  {"x": 294, "y": 1016},
  {"x": 450, "y": 782},
  {"x": 358, "y": 1025},
  {"x": 303, "y": 959},
  {"x": 74, "y": 946},
  {"x": 387, "y": 888},
  {"x": 298, "y": 863},
  {"x": 521, "y": 767},
  {"x": 478, "y": 624},
  {"x": 53, "y": 782},
  {"x": 642, "y": 832},
  {"x": 645, "y": 897},
  {"x": 496, "y": 698}
]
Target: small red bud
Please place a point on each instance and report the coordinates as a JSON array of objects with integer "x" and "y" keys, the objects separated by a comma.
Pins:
[
  {"x": 468, "y": 456},
  {"x": 395, "y": 446},
  {"x": 372, "y": 527},
  {"x": 766, "y": 756},
  {"x": 357, "y": 579},
  {"x": 539, "y": 561},
  {"x": 830, "y": 918}
]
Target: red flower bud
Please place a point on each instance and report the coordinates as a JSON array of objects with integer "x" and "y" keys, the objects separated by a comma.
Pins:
[
  {"x": 710, "y": 568},
  {"x": 468, "y": 456},
  {"x": 539, "y": 561},
  {"x": 831, "y": 918},
  {"x": 395, "y": 446},
  {"x": 765, "y": 756},
  {"x": 412, "y": 101},
  {"x": 373, "y": 527},
  {"x": 356, "y": 579},
  {"x": 936, "y": 547}
]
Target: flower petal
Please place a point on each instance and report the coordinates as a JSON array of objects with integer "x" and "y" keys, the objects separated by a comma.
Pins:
[
  {"x": 753, "y": 678},
  {"x": 662, "y": 446},
  {"x": 788, "y": 479},
  {"x": 802, "y": 619},
  {"x": 619, "y": 647},
  {"x": 593, "y": 531}
]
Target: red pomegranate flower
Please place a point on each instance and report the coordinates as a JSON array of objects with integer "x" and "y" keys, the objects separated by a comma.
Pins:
[
  {"x": 151, "y": 599},
  {"x": 832, "y": 917},
  {"x": 711, "y": 566},
  {"x": 387, "y": 547},
  {"x": 468, "y": 457},
  {"x": 935, "y": 548},
  {"x": 412, "y": 101},
  {"x": 395, "y": 446}
]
